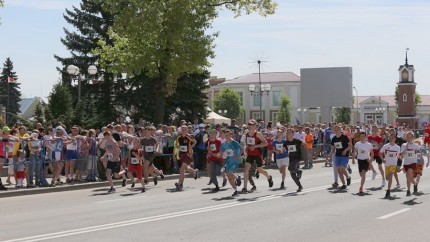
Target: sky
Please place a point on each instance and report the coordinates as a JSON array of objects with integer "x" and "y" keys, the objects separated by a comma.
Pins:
[{"x": 368, "y": 35}]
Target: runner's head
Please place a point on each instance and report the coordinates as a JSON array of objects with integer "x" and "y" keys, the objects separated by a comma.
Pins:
[
  {"x": 290, "y": 133},
  {"x": 375, "y": 130},
  {"x": 251, "y": 125},
  {"x": 228, "y": 134},
  {"x": 410, "y": 136},
  {"x": 184, "y": 130},
  {"x": 75, "y": 130},
  {"x": 363, "y": 136},
  {"x": 337, "y": 130},
  {"x": 392, "y": 138},
  {"x": 212, "y": 135}
]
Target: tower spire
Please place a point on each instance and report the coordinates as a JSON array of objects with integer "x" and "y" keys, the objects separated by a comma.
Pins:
[{"x": 406, "y": 59}]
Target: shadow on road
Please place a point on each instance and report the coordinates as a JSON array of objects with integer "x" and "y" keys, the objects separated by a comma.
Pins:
[
  {"x": 397, "y": 190},
  {"x": 374, "y": 189},
  {"x": 223, "y": 199},
  {"x": 411, "y": 202},
  {"x": 391, "y": 198},
  {"x": 101, "y": 189},
  {"x": 418, "y": 194},
  {"x": 362, "y": 194},
  {"x": 337, "y": 191},
  {"x": 209, "y": 191}
]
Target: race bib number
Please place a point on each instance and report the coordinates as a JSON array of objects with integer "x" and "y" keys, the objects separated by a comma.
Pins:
[
  {"x": 183, "y": 148},
  {"x": 338, "y": 145},
  {"x": 110, "y": 156},
  {"x": 149, "y": 148},
  {"x": 291, "y": 148},
  {"x": 374, "y": 146},
  {"x": 250, "y": 141},
  {"x": 362, "y": 152},
  {"x": 410, "y": 154},
  {"x": 229, "y": 153},
  {"x": 134, "y": 161},
  {"x": 213, "y": 147},
  {"x": 392, "y": 154},
  {"x": 279, "y": 146}
]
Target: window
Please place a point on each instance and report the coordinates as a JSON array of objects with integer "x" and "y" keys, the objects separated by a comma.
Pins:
[
  {"x": 257, "y": 100},
  {"x": 275, "y": 116},
  {"x": 405, "y": 97},
  {"x": 257, "y": 115},
  {"x": 276, "y": 98},
  {"x": 241, "y": 97}
]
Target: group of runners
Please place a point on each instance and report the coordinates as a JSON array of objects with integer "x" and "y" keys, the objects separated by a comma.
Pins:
[{"x": 225, "y": 148}]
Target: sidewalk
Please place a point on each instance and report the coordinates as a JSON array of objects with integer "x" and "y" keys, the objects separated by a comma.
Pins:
[{"x": 12, "y": 191}]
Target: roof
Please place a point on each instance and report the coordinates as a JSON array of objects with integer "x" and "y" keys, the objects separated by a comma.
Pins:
[
  {"x": 266, "y": 77},
  {"x": 25, "y": 103},
  {"x": 390, "y": 99}
]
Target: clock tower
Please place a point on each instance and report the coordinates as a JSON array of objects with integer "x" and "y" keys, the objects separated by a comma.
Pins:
[{"x": 406, "y": 104}]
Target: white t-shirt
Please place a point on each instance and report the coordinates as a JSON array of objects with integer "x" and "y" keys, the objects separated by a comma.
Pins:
[
  {"x": 400, "y": 134},
  {"x": 73, "y": 145},
  {"x": 391, "y": 153},
  {"x": 300, "y": 136},
  {"x": 363, "y": 150},
  {"x": 410, "y": 157}
]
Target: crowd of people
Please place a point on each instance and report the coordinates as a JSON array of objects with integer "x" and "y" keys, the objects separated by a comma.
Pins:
[{"x": 134, "y": 153}]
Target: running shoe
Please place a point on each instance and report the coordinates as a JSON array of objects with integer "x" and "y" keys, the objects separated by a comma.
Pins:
[
  {"x": 124, "y": 182},
  {"x": 415, "y": 189},
  {"x": 235, "y": 194},
  {"x": 155, "y": 180},
  {"x": 145, "y": 181},
  {"x": 348, "y": 181},
  {"x": 196, "y": 174},
  {"x": 177, "y": 186},
  {"x": 398, "y": 186},
  {"x": 282, "y": 186},
  {"x": 224, "y": 182},
  {"x": 299, "y": 174},
  {"x": 162, "y": 175},
  {"x": 132, "y": 185},
  {"x": 383, "y": 183},
  {"x": 111, "y": 190},
  {"x": 254, "y": 188},
  {"x": 387, "y": 194},
  {"x": 3, "y": 188},
  {"x": 270, "y": 180},
  {"x": 143, "y": 189},
  {"x": 244, "y": 191},
  {"x": 299, "y": 189},
  {"x": 238, "y": 181},
  {"x": 216, "y": 189},
  {"x": 408, "y": 193},
  {"x": 360, "y": 190},
  {"x": 374, "y": 175},
  {"x": 349, "y": 170},
  {"x": 257, "y": 174},
  {"x": 343, "y": 187},
  {"x": 335, "y": 185}
]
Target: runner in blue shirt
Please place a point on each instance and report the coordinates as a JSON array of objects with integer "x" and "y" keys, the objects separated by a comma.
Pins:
[
  {"x": 231, "y": 151},
  {"x": 281, "y": 155}
]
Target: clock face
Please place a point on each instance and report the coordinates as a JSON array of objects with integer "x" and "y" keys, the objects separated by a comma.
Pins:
[{"x": 405, "y": 75}]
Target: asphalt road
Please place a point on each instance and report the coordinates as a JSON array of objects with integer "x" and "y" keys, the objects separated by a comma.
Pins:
[{"x": 319, "y": 213}]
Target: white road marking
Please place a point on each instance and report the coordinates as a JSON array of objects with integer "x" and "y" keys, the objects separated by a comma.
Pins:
[
  {"x": 394, "y": 213},
  {"x": 121, "y": 199}
]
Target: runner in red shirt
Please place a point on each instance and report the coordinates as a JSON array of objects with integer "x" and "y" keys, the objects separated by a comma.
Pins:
[
  {"x": 254, "y": 142},
  {"x": 427, "y": 135},
  {"x": 377, "y": 142},
  {"x": 214, "y": 159}
]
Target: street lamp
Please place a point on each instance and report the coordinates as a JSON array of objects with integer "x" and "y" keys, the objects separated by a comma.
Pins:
[
  {"x": 356, "y": 97},
  {"x": 77, "y": 77},
  {"x": 221, "y": 112},
  {"x": 380, "y": 109}
]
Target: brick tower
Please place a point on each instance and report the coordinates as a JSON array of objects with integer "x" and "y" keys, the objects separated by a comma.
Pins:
[{"x": 406, "y": 104}]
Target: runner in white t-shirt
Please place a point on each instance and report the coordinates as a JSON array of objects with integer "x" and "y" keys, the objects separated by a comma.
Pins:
[
  {"x": 389, "y": 155},
  {"x": 363, "y": 151},
  {"x": 409, "y": 154}
]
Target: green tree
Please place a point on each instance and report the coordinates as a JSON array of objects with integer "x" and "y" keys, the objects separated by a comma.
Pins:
[
  {"x": 38, "y": 114},
  {"x": 166, "y": 39},
  {"x": 91, "y": 23},
  {"x": 284, "y": 111},
  {"x": 228, "y": 99},
  {"x": 60, "y": 104},
  {"x": 10, "y": 94},
  {"x": 342, "y": 115}
]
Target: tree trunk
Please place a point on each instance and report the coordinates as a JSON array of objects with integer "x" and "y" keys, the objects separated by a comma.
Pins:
[{"x": 160, "y": 98}]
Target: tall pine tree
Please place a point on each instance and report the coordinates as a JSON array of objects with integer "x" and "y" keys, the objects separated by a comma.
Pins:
[
  {"x": 91, "y": 23},
  {"x": 10, "y": 94}
]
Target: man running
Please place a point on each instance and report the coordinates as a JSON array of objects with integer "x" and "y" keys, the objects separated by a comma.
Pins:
[
  {"x": 149, "y": 147},
  {"x": 409, "y": 151},
  {"x": 254, "y": 142},
  {"x": 281, "y": 155},
  {"x": 214, "y": 159},
  {"x": 231, "y": 151},
  {"x": 185, "y": 144},
  {"x": 389, "y": 155},
  {"x": 363, "y": 151},
  {"x": 341, "y": 145},
  {"x": 377, "y": 143},
  {"x": 293, "y": 146},
  {"x": 112, "y": 158},
  {"x": 135, "y": 164}
]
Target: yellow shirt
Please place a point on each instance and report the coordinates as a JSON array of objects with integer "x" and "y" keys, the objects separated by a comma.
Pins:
[{"x": 19, "y": 136}]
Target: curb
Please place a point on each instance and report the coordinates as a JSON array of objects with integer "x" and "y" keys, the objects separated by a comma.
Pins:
[{"x": 74, "y": 187}]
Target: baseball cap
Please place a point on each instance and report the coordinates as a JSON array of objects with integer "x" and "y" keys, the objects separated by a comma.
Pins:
[
  {"x": 251, "y": 122},
  {"x": 6, "y": 129},
  {"x": 201, "y": 125}
]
